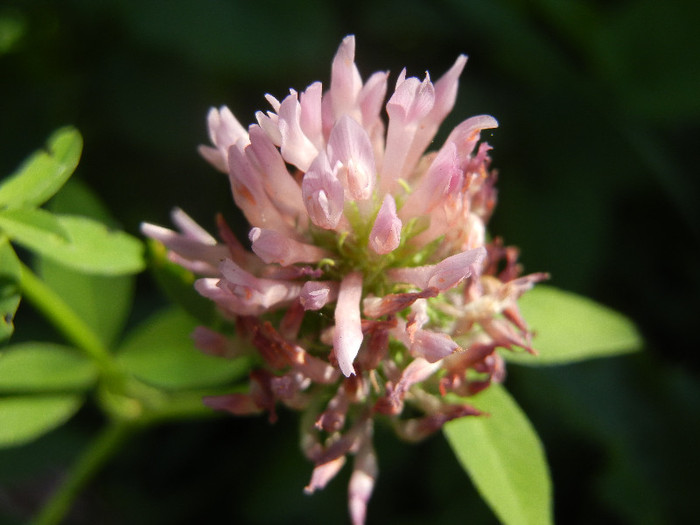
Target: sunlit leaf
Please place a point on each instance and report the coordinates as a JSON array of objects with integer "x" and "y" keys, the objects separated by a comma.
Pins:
[
  {"x": 102, "y": 301},
  {"x": 24, "y": 418},
  {"x": 161, "y": 352},
  {"x": 9, "y": 294},
  {"x": 92, "y": 246},
  {"x": 504, "y": 458},
  {"x": 44, "y": 172},
  {"x": 44, "y": 367},
  {"x": 569, "y": 327},
  {"x": 33, "y": 228}
]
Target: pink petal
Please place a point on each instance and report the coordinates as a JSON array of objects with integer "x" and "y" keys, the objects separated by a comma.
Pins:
[
  {"x": 270, "y": 125},
  {"x": 214, "y": 156},
  {"x": 371, "y": 98},
  {"x": 349, "y": 145},
  {"x": 411, "y": 101},
  {"x": 296, "y": 148},
  {"x": 444, "y": 275},
  {"x": 323, "y": 473},
  {"x": 446, "y": 91},
  {"x": 346, "y": 82},
  {"x": 241, "y": 293},
  {"x": 432, "y": 346},
  {"x": 315, "y": 295},
  {"x": 393, "y": 303},
  {"x": 347, "y": 336},
  {"x": 198, "y": 256},
  {"x": 273, "y": 247},
  {"x": 279, "y": 185},
  {"x": 466, "y": 134},
  {"x": 442, "y": 178},
  {"x": 362, "y": 480},
  {"x": 386, "y": 232},
  {"x": 445, "y": 96},
  {"x": 323, "y": 194},
  {"x": 190, "y": 228},
  {"x": 311, "y": 115}
]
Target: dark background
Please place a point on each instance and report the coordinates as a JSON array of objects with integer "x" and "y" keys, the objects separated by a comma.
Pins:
[{"x": 599, "y": 110}]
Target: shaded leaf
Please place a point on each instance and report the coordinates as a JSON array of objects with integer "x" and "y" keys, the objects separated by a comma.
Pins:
[
  {"x": 178, "y": 284},
  {"x": 161, "y": 352},
  {"x": 24, "y": 418},
  {"x": 504, "y": 458},
  {"x": 93, "y": 247},
  {"x": 44, "y": 172},
  {"x": 570, "y": 327},
  {"x": 102, "y": 301},
  {"x": 9, "y": 293},
  {"x": 35, "y": 229},
  {"x": 44, "y": 367}
]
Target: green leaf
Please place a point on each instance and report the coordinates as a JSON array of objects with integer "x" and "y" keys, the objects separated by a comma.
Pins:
[
  {"x": 569, "y": 327},
  {"x": 24, "y": 418},
  {"x": 103, "y": 302},
  {"x": 161, "y": 352},
  {"x": 43, "y": 174},
  {"x": 92, "y": 246},
  {"x": 35, "y": 229},
  {"x": 9, "y": 294},
  {"x": 504, "y": 458},
  {"x": 44, "y": 367}
]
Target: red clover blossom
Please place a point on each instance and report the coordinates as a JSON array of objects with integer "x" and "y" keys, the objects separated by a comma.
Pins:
[{"x": 371, "y": 284}]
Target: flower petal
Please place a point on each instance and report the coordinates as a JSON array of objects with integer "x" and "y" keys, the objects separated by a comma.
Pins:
[
  {"x": 315, "y": 295},
  {"x": 347, "y": 336},
  {"x": 273, "y": 247},
  {"x": 296, "y": 148},
  {"x": 386, "y": 232},
  {"x": 349, "y": 146},
  {"x": 444, "y": 275},
  {"x": 346, "y": 82},
  {"x": 323, "y": 194}
]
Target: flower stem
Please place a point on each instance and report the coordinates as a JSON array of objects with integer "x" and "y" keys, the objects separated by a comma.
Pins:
[
  {"x": 92, "y": 459},
  {"x": 63, "y": 318}
]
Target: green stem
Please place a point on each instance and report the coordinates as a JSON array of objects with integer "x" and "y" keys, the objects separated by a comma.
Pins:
[
  {"x": 101, "y": 450},
  {"x": 65, "y": 319}
]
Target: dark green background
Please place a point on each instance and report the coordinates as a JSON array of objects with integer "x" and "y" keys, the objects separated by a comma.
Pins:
[{"x": 599, "y": 106}]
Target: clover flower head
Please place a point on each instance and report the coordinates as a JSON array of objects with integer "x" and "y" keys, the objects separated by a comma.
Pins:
[{"x": 371, "y": 284}]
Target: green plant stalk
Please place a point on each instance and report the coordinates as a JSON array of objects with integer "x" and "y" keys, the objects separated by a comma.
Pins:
[
  {"x": 92, "y": 459},
  {"x": 65, "y": 320}
]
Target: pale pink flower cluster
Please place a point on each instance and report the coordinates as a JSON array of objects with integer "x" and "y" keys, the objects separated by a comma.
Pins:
[{"x": 370, "y": 283}]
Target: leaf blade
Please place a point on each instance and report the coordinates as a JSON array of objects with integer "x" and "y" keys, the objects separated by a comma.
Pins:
[
  {"x": 86, "y": 245},
  {"x": 44, "y": 172},
  {"x": 102, "y": 301},
  {"x": 44, "y": 367},
  {"x": 569, "y": 327},
  {"x": 9, "y": 288},
  {"x": 504, "y": 457},
  {"x": 161, "y": 352},
  {"x": 25, "y": 418}
]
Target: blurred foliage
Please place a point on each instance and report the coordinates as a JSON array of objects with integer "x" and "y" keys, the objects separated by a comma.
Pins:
[{"x": 599, "y": 111}]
